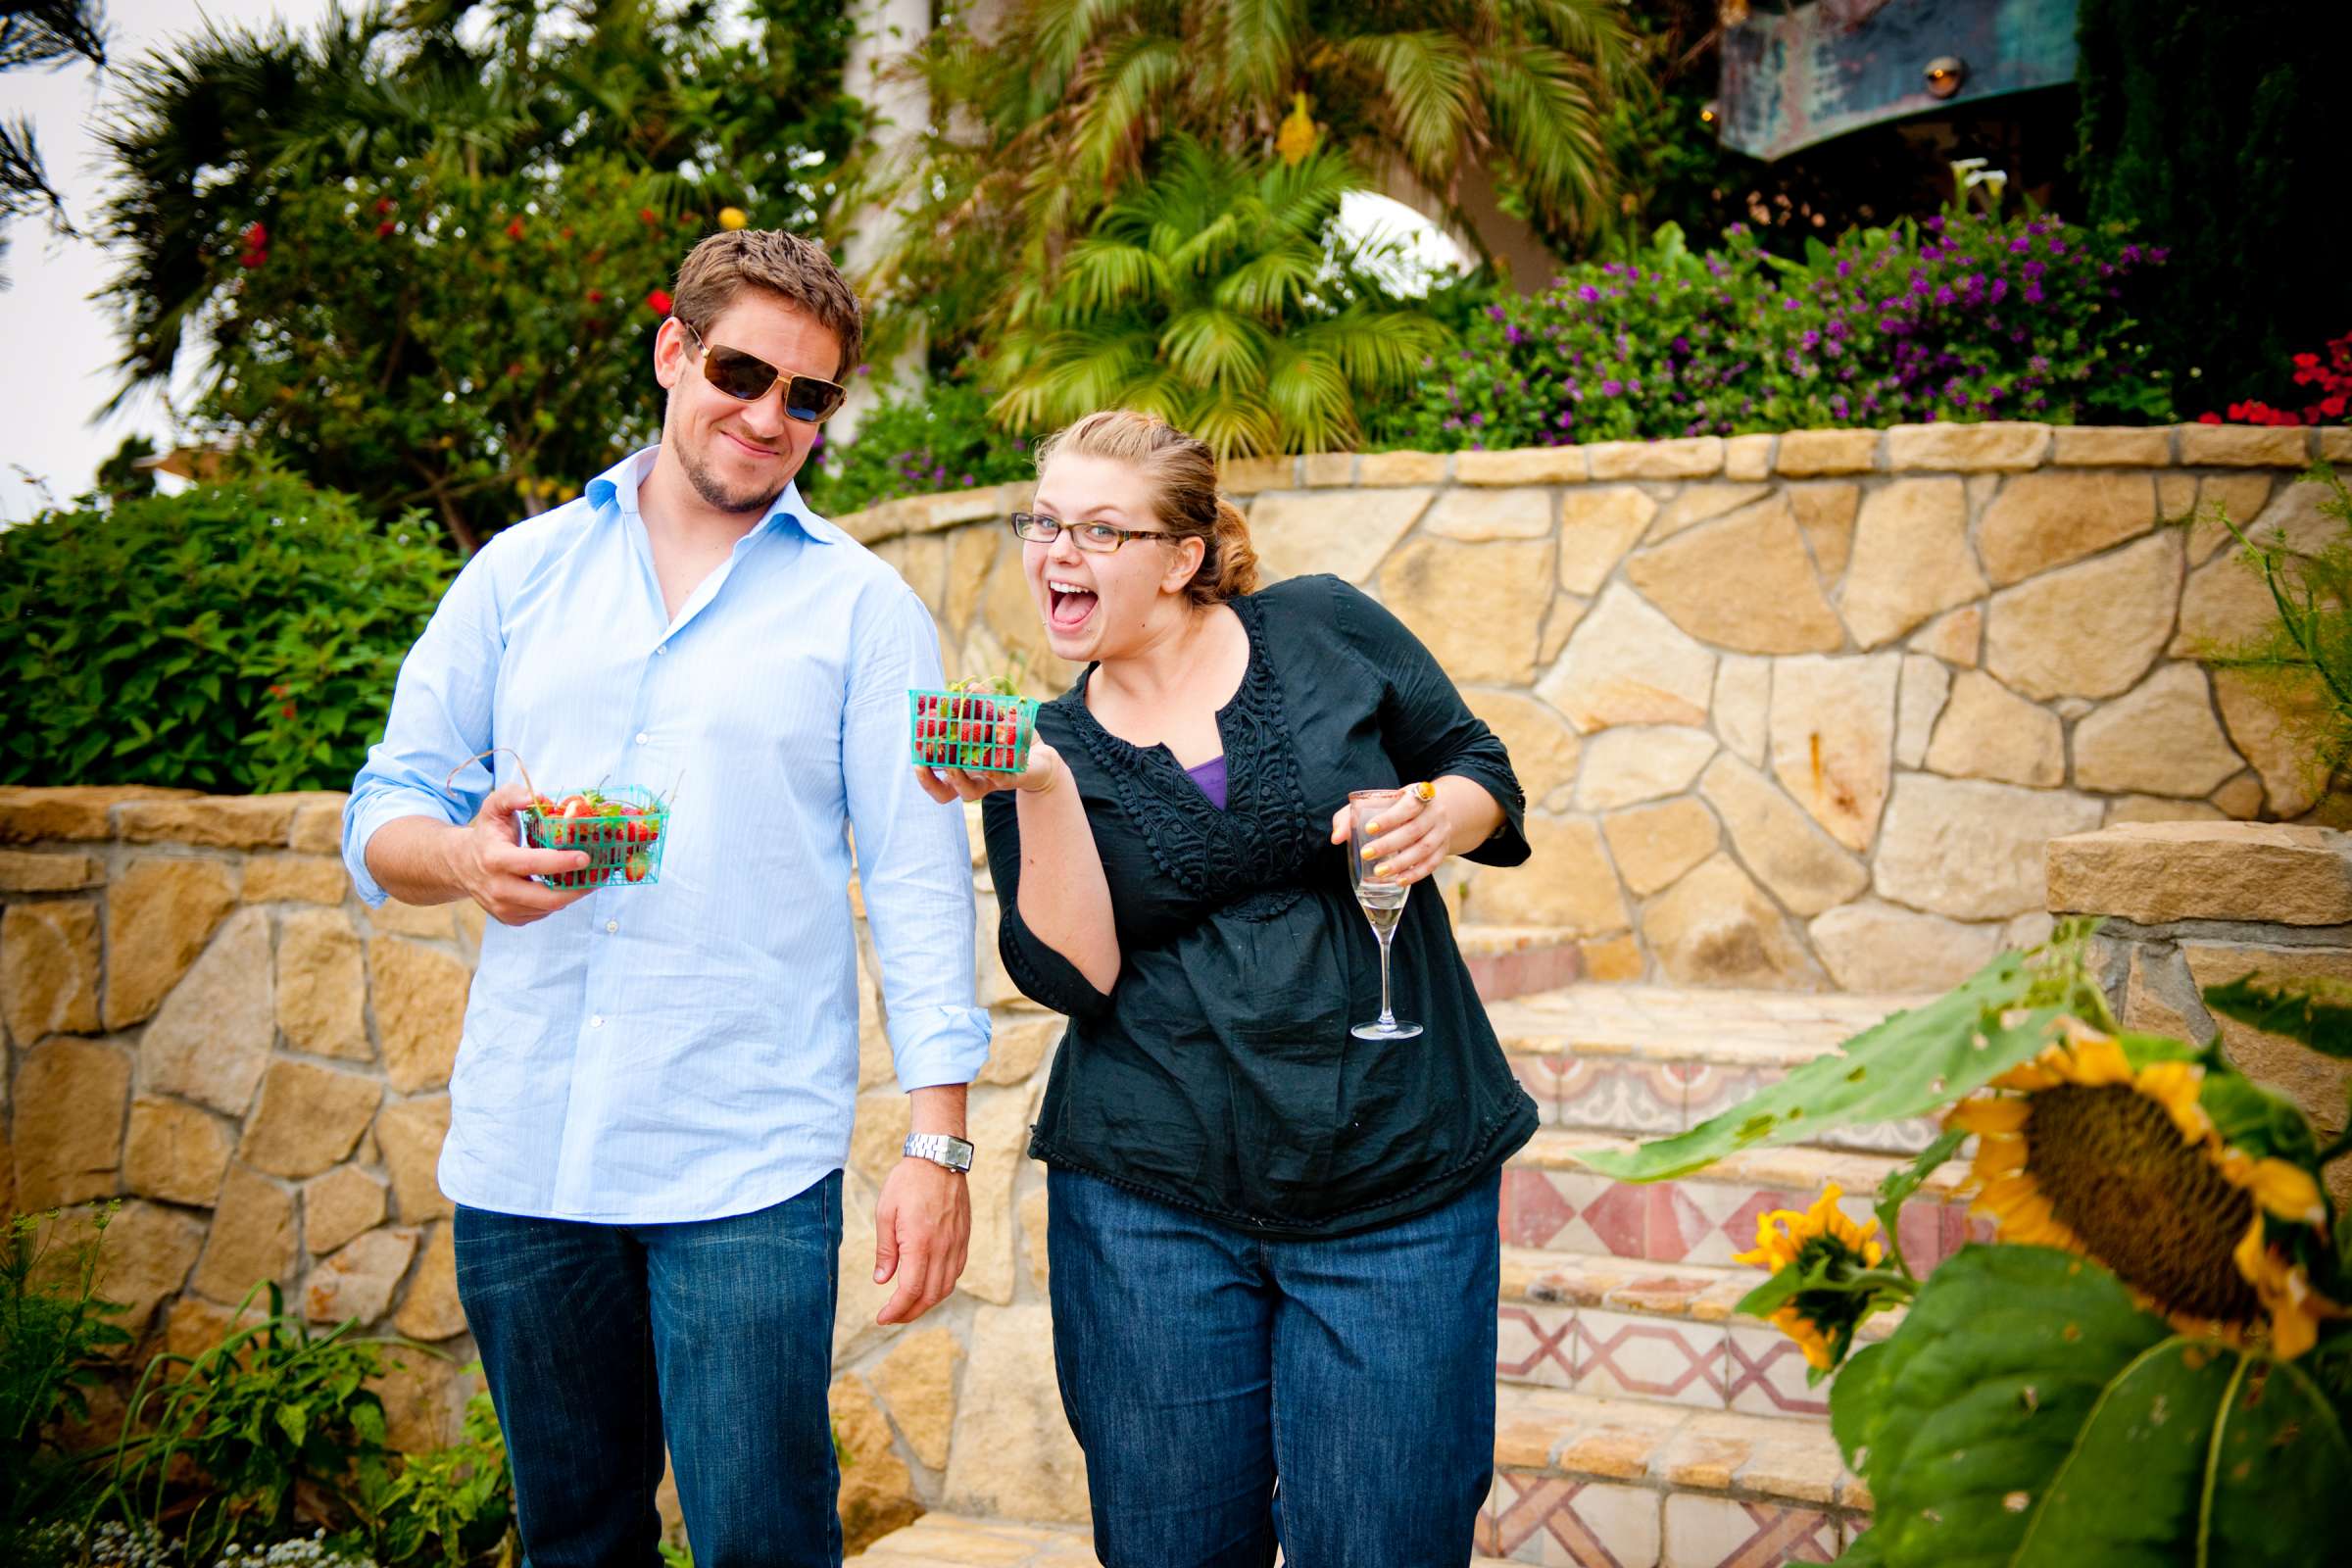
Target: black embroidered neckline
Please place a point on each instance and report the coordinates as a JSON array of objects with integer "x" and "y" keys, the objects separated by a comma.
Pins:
[{"x": 1250, "y": 856}]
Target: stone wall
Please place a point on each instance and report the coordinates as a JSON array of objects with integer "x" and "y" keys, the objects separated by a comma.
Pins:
[
  {"x": 1795, "y": 711},
  {"x": 200, "y": 1020},
  {"x": 2191, "y": 905}
]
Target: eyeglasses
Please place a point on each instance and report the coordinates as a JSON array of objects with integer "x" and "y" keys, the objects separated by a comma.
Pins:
[
  {"x": 1096, "y": 538},
  {"x": 807, "y": 398}
]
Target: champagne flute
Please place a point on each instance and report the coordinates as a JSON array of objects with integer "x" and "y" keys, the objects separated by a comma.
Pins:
[{"x": 1383, "y": 903}]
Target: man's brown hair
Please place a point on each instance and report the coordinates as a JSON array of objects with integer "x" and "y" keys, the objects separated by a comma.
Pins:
[{"x": 716, "y": 271}]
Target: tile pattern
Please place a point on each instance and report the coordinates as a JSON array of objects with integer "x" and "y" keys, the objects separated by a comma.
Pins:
[
  {"x": 1727, "y": 1533},
  {"x": 1701, "y": 1220}
]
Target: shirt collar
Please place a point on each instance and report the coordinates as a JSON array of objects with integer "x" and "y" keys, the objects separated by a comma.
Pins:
[{"x": 618, "y": 487}]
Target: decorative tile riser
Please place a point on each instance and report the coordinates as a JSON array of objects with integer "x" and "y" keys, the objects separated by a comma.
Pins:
[
  {"x": 1690, "y": 1221},
  {"x": 1743, "y": 1365},
  {"x": 1570, "y": 1522}
]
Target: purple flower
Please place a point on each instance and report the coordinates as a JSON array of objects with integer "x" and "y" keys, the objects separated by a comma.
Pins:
[{"x": 1588, "y": 293}]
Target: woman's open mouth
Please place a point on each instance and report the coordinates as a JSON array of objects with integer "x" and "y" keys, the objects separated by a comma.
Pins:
[{"x": 1070, "y": 605}]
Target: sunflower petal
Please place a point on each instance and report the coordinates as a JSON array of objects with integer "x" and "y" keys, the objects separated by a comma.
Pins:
[
  {"x": 2097, "y": 1060},
  {"x": 2288, "y": 1191},
  {"x": 2176, "y": 1084},
  {"x": 1988, "y": 1116}
]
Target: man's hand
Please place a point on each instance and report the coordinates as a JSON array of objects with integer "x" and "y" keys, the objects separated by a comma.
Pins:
[
  {"x": 495, "y": 871},
  {"x": 922, "y": 1232}
]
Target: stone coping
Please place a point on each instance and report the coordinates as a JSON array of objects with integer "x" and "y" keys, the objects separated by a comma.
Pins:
[
  {"x": 2154, "y": 873},
  {"x": 310, "y": 821},
  {"x": 1992, "y": 446}
]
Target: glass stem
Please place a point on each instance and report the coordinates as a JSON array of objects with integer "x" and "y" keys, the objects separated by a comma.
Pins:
[{"x": 1387, "y": 1019}]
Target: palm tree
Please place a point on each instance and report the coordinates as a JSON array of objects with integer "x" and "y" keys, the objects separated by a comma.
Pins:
[
  {"x": 1481, "y": 107},
  {"x": 40, "y": 33},
  {"x": 1205, "y": 293}
]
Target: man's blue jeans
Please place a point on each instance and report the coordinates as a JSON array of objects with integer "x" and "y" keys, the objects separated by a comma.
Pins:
[
  {"x": 599, "y": 1340},
  {"x": 1200, "y": 1364}
]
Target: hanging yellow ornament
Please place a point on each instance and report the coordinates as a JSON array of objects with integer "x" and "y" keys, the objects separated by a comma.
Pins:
[
  {"x": 1297, "y": 138},
  {"x": 732, "y": 218}
]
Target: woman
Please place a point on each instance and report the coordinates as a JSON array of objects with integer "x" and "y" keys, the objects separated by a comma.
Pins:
[{"x": 1273, "y": 1246}]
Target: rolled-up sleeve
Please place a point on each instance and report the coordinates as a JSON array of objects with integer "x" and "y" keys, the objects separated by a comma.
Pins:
[
  {"x": 915, "y": 858},
  {"x": 1425, "y": 724},
  {"x": 441, "y": 717},
  {"x": 1043, "y": 974}
]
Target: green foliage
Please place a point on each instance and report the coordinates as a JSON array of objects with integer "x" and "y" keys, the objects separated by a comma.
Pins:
[
  {"x": 218, "y": 1442},
  {"x": 250, "y": 169},
  {"x": 1065, "y": 102},
  {"x": 2301, "y": 663},
  {"x": 914, "y": 443},
  {"x": 1207, "y": 294},
  {"x": 1965, "y": 317},
  {"x": 453, "y": 1505},
  {"x": 2026, "y": 1413},
  {"x": 533, "y": 296},
  {"x": 2324, "y": 1026},
  {"x": 2198, "y": 120},
  {"x": 240, "y": 637},
  {"x": 52, "y": 1329},
  {"x": 1908, "y": 1064}
]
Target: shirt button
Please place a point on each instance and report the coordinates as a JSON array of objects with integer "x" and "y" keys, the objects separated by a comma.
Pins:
[
  {"x": 661, "y": 648},
  {"x": 641, "y": 737},
  {"x": 611, "y": 925},
  {"x": 597, "y": 1022}
]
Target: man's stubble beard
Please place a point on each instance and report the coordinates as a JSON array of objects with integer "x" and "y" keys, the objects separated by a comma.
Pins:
[{"x": 717, "y": 495}]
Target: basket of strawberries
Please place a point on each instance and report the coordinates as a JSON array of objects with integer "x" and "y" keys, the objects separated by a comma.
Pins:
[
  {"x": 982, "y": 726},
  {"x": 621, "y": 830}
]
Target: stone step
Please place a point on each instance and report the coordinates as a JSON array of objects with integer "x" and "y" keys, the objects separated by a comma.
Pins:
[
  {"x": 1585, "y": 1479},
  {"x": 1553, "y": 1203},
  {"x": 1663, "y": 1332},
  {"x": 951, "y": 1540},
  {"x": 1645, "y": 1061},
  {"x": 1517, "y": 961}
]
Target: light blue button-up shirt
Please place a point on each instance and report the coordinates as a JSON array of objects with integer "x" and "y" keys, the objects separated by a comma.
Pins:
[{"x": 685, "y": 1049}]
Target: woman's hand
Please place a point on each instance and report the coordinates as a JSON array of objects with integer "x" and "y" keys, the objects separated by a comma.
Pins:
[
  {"x": 1412, "y": 835},
  {"x": 944, "y": 784}
]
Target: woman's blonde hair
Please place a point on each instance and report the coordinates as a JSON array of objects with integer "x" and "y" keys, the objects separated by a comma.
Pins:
[{"x": 1183, "y": 475}]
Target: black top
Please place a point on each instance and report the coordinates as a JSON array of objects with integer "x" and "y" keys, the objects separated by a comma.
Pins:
[{"x": 1219, "y": 1073}]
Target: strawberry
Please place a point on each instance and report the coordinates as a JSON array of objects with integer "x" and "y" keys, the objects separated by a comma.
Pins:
[{"x": 638, "y": 866}]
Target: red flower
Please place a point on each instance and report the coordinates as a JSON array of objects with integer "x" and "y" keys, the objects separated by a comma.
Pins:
[
  {"x": 2332, "y": 407},
  {"x": 386, "y": 227},
  {"x": 596, "y": 296},
  {"x": 2209, "y": 418},
  {"x": 2307, "y": 362},
  {"x": 648, "y": 215},
  {"x": 256, "y": 236},
  {"x": 514, "y": 229},
  {"x": 514, "y": 371},
  {"x": 658, "y": 302},
  {"x": 287, "y": 711},
  {"x": 383, "y": 205},
  {"x": 251, "y": 260}
]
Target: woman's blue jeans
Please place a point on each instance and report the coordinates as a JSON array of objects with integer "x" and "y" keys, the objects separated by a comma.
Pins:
[
  {"x": 601, "y": 1340},
  {"x": 1200, "y": 1365}
]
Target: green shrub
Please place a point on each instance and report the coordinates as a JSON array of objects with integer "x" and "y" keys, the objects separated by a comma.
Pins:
[
  {"x": 52, "y": 1329},
  {"x": 1963, "y": 317},
  {"x": 915, "y": 443},
  {"x": 241, "y": 637}
]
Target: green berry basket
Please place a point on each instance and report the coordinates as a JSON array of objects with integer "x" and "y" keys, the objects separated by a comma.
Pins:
[
  {"x": 622, "y": 830},
  {"x": 981, "y": 732}
]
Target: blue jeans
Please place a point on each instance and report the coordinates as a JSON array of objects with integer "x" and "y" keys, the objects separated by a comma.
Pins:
[
  {"x": 1201, "y": 1364},
  {"x": 598, "y": 1339}
]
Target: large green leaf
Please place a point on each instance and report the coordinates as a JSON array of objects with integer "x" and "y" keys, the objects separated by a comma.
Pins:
[
  {"x": 1908, "y": 1064},
  {"x": 2029, "y": 1413},
  {"x": 2323, "y": 1026}
]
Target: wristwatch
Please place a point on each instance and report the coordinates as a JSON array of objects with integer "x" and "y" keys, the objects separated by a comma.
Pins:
[{"x": 940, "y": 1149}]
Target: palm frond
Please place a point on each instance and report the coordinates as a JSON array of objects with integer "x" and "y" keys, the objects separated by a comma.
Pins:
[
  {"x": 1136, "y": 73},
  {"x": 1547, "y": 119},
  {"x": 1101, "y": 275},
  {"x": 1428, "y": 87},
  {"x": 1260, "y": 39},
  {"x": 1270, "y": 284},
  {"x": 1208, "y": 346},
  {"x": 1311, "y": 395}
]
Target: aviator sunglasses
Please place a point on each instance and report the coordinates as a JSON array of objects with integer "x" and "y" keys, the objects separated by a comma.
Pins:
[{"x": 746, "y": 376}]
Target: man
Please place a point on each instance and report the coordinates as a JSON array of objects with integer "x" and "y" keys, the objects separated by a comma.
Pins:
[{"x": 652, "y": 1103}]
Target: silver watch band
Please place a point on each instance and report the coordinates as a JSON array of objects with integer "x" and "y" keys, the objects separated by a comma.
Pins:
[{"x": 941, "y": 1150}]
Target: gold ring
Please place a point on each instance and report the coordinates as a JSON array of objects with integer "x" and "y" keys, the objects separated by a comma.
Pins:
[{"x": 1425, "y": 791}]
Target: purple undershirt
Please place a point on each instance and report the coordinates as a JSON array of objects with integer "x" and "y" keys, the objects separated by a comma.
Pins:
[{"x": 1210, "y": 776}]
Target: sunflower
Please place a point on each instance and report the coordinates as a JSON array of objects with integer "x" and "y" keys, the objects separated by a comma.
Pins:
[
  {"x": 2081, "y": 1150},
  {"x": 1822, "y": 1322}
]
